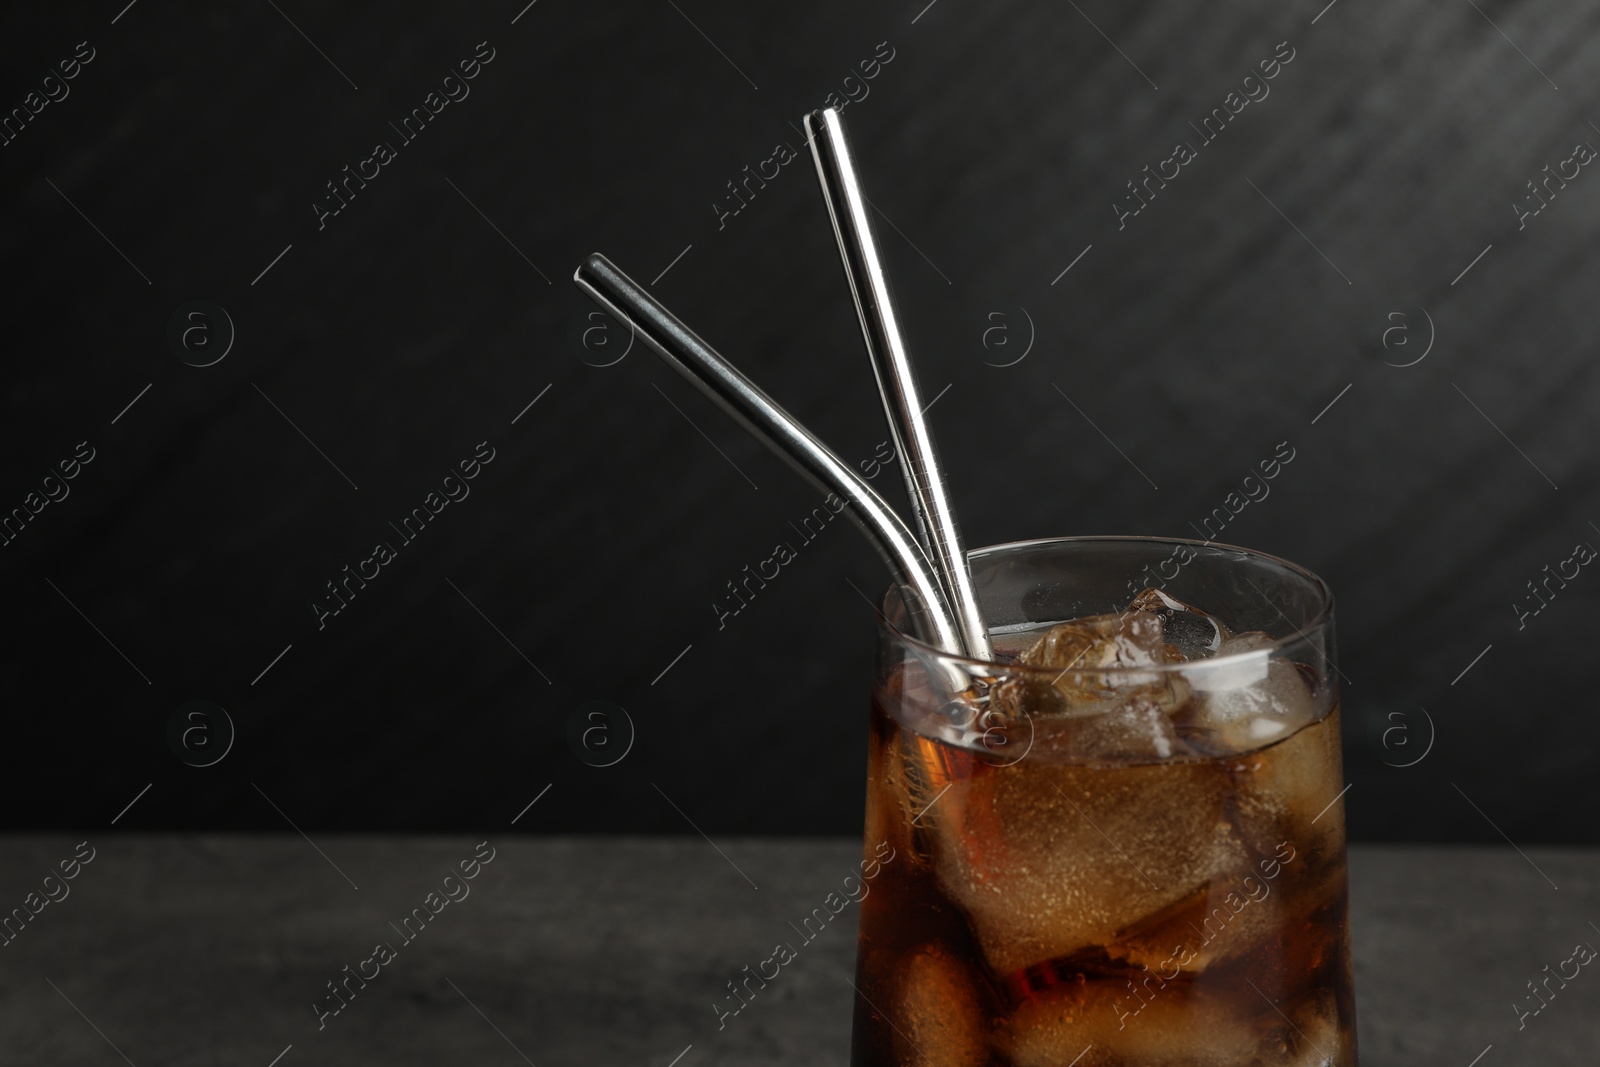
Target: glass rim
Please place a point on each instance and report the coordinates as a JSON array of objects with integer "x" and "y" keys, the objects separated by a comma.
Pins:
[{"x": 1321, "y": 618}]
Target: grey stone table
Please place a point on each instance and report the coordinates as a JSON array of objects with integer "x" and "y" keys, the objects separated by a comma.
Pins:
[{"x": 218, "y": 951}]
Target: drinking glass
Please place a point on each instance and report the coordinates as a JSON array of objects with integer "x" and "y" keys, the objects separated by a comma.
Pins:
[{"x": 1122, "y": 844}]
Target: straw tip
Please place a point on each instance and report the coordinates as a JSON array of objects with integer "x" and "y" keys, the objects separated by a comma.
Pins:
[
  {"x": 817, "y": 121},
  {"x": 593, "y": 263}
]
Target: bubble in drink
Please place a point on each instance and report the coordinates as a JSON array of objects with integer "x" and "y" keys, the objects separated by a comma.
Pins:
[{"x": 1159, "y": 881}]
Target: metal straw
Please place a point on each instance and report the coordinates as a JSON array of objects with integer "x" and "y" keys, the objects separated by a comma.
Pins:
[
  {"x": 869, "y": 284},
  {"x": 768, "y": 423}
]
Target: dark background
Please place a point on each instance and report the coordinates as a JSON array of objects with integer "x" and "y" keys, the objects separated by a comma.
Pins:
[{"x": 427, "y": 315}]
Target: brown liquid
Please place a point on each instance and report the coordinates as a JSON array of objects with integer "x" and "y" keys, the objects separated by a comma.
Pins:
[{"x": 1187, "y": 912}]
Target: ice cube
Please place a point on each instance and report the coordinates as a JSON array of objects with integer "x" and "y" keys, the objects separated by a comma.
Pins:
[
  {"x": 1287, "y": 792},
  {"x": 1019, "y": 697},
  {"x": 1107, "y": 1023},
  {"x": 1048, "y": 860},
  {"x": 1085, "y": 647},
  {"x": 1096, "y": 663},
  {"x": 937, "y": 1016},
  {"x": 1310, "y": 1036},
  {"x": 1238, "y": 914},
  {"x": 1137, "y": 728},
  {"x": 1191, "y": 631},
  {"x": 886, "y": 820},
  {"x": 1246, "y": 700},
  {"x": 920, "y": 770}
]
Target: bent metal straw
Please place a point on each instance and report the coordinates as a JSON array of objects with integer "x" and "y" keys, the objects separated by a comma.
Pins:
[{"x": 682, "y": 350}]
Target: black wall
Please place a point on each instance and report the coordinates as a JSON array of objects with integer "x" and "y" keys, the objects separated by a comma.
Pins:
[{"x": 375, "y": 348}]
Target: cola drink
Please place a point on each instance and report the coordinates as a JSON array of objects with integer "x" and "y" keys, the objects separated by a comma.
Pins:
[{"x": 1122, "y": 843}]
